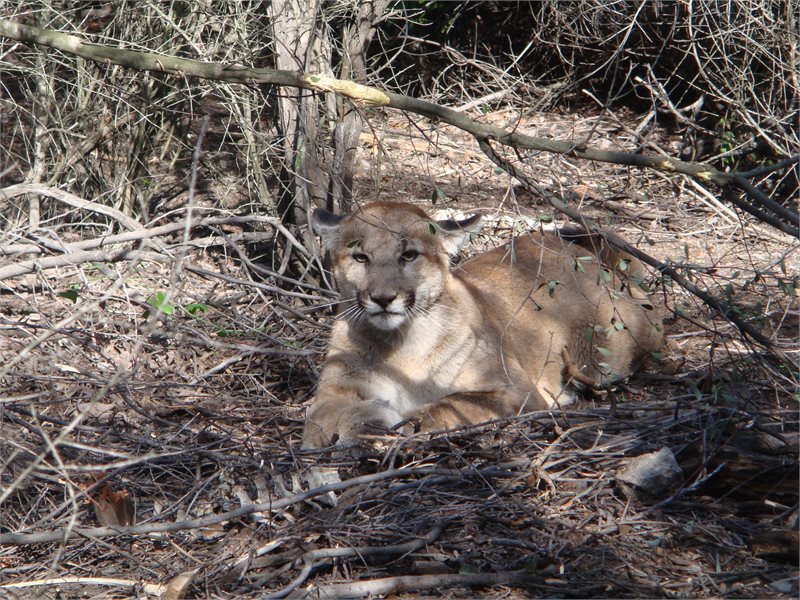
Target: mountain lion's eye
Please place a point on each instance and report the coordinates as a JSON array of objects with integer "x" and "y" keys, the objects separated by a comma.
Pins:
[
  {"x": 409, "y": 255},
  {"x": 361, "y": 258}
]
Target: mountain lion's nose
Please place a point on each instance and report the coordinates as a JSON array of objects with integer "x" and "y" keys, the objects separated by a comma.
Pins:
[{"x": 383, "y": 300}]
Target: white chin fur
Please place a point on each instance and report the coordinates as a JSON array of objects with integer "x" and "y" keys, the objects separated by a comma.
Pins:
[{"x": 387, "y": 321}]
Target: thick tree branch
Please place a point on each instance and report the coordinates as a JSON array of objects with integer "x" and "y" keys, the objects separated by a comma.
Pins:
[{"x": 148, "y": 61}]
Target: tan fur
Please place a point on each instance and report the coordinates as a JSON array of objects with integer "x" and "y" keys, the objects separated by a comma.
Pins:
[{"x": 495, "y": 336}]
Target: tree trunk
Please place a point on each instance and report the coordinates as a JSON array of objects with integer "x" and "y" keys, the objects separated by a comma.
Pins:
[
  {"x": 296, "y": 26},
  {"x": 356, "y": 38}
]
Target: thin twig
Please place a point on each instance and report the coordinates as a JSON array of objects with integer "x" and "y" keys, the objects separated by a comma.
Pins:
[{"x": 18, "y": 539}]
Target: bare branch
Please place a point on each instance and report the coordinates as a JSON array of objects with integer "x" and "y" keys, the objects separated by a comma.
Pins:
[
  {"x": 154, "y": 589},
  {"x": 140, "y": 234},
  {"x": 413, "y": 583},
  {"x": 13, "y": 191},
  {"x": 148, "y": 61},
  {"x": 314, "y": 558},
  {"x": 720, "y": 307}
]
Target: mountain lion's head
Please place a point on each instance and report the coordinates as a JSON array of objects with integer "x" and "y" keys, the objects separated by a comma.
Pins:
[{"x": 390, "y": 260}]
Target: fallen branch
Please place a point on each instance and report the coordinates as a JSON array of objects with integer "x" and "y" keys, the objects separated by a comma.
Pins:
[
  {"x": 119, "y": 255},
  {"x": 85, "y": 251},
  {"x": 360, "y": 94},
  {"x": 140, "y": 235},
  {"x": 79, "y": 258},
  {"x": 62, "y": 535},
  {"x": 313, "y": 559},
  {"x": 138, "y": 232},
  {"x": 413, "y": 583},
  {"x": 152, "y": 589}
]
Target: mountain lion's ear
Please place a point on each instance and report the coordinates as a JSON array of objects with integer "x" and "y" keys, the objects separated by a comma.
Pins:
[
  {"x": 455, "y": 233},
  {"x": 326, "y": 225}
]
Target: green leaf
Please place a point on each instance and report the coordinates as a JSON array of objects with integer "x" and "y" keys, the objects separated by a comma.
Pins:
[
  {"x": 432, "y": 228},
  {"x": 71, "y": 294},
  {"x": 196, "y": 308},
  {"x": 623, "y": 264},
  {"x": 579, "y": 261},
  {"x": 604, "y": 351},
  {"x": 354, "y": 244},
  {"x": 437, "y": 195},
  {"x": 606, "y": 275},
  {"x": 160, "y": 303}
]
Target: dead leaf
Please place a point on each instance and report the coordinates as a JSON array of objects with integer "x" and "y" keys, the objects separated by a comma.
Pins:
[
  {"x": 178, "y": 585},
  {"x": 102, "y": 411},
  {"x": 114, "y": 509}
]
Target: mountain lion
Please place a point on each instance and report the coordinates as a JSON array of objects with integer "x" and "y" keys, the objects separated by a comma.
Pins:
[{"x": 498, "y": 335}]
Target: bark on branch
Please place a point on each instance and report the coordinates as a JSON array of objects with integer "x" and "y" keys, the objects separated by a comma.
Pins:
[
  {"x": 787, "y": 221},
  {"x": 417, "y": 583}
]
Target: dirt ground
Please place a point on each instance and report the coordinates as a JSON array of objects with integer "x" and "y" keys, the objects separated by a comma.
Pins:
[{"x": 185, "y": 423}]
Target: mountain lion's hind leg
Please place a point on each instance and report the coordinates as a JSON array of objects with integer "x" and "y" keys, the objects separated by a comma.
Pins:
[{"x": 468, "y": 408}]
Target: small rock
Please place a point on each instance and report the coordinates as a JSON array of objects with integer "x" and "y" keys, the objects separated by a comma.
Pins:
[{"x": 651, "y": 476}]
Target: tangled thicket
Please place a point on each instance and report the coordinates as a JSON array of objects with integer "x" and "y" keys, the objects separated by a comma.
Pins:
[
  {"x": 724, "y": 73},
  {"x": 729, "y": 67}
]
